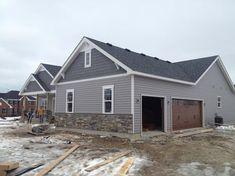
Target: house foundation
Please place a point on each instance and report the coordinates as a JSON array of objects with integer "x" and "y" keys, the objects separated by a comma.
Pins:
[{"x": 121, "y": 123}]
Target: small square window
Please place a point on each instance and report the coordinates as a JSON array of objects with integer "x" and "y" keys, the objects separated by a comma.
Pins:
[
  {"x": 219, "y": 102},
  {"x": 87, "y": 60}
]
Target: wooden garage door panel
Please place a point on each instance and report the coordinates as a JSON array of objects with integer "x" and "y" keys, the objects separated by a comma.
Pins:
[{"x": 186, "y": 114}]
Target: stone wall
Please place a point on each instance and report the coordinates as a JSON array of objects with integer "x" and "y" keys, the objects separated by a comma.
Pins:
[{"x": 121, "y": 123}]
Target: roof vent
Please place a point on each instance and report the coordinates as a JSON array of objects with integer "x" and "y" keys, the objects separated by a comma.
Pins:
[
  {"x": 109, "y": 44},
  {"x": 127, "y": 50},
  {"x": 156, "y": 58},
  {"x": 168, "y": 62},
  {"x": 142, "y": 54}
]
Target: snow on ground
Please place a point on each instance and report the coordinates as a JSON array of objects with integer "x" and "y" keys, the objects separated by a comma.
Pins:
[
  {"x": 228, "y": 127},
  {"x": 9, "y": 121},
  {"x": 196, "y": 169},
  {"x": 28, "y": 150}
]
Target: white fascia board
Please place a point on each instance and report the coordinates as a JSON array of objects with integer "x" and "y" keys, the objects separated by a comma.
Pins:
[
  {"x": 6, "y": 102},
  {"x": 116, "y": 61},
  {"x": 206, "y": 71},
  {"x": 93, "y": 79},
  {"x": 221, "y": 64},
  {"x": 77, "y": 50},
  {"x": 41, "y": 66},
  {"x": 26, "y": 83},
  {"x": 67, "y": 62},
  {"x": 39, "y": 84},
  {"x": 162, "y": 78},
  {"x": 33, "y": 93}
]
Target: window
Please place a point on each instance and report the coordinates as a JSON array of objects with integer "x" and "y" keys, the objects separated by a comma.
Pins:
[
  {"x": 108, "y": 99},
  {"x": 70, "y": 100},
  {"x": 87, "y": 61},
  {"x": 219, "y": 102}
]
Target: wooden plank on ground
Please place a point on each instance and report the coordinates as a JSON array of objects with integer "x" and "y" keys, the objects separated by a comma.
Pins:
[
  {"x": 54, "y": 163},
  {"x": 115, "y": 157},
  {"x": 3, "y": 173},
  {"x": 193, "y": 133},
  {"x": 7, "y": 166},
  {"x": 125, "y": 167},
  {"x": 27, "y": 169}
]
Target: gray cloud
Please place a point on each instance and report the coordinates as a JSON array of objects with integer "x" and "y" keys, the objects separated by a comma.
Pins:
[{"x": 47, "y": 31}]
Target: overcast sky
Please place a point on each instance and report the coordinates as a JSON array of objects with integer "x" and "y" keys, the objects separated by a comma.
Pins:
[{"x": 47, "y": 31}]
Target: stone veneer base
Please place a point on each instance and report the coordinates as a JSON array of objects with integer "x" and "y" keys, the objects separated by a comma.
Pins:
[{"x": 121, "y": 123}]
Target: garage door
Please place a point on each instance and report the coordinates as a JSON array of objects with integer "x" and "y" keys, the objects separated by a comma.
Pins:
[{"x": 186, "y": 114}]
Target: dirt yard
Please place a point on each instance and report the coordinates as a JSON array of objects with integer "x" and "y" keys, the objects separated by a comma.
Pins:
[{"x": 206, "y": 154}]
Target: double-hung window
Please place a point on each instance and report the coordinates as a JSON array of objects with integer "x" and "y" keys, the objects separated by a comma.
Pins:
[
  {"x": 108, "y": 99},
  {"x": 219, "y": 102},
  {"x": 87, "y": 60},
  {"x": 70, "y": 100}
]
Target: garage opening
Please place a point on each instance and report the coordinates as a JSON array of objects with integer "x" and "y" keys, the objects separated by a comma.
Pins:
[
  {"x": 186, "y": 114},
  {"x": 152, "y": 113}
]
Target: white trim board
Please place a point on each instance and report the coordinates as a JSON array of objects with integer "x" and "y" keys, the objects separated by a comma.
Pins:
[
  {"x": 30, "y": 78},
  {"x": 6, "y": 102},
  {"x": 93, "y": 79},
  {"x": 41, "y": 67},
  {"x": 133, "y": 101}
]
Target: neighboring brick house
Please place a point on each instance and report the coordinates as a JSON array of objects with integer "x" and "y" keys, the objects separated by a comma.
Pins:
[
  {"x": 12, "y": 103},
  {"x": 5, "y": 108}
]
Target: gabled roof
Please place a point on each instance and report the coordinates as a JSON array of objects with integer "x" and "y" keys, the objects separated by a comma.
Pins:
[
  {"x": 186, "y": 71},
  {"x": 53, "y": 69},
  {"x": 50, "y": 69},
  {"x": 41, "y": 83}
]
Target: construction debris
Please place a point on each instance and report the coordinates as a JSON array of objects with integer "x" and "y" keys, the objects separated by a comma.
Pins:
[
  {"x": 191, "y": 133},
  {"x": 27, "y": 169},
  {"x": 117, "y": 156},
  {"x": 53, "y": 164},
  {"x": 8, "y": 166},
  {"x": 125, "y": 167}
]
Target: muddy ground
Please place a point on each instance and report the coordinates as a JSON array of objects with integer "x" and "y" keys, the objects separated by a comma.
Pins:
[{"x": 203, "y": 154}]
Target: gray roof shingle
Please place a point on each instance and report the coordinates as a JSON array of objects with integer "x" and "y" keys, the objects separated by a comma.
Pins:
[
  {"x": 53, "y": 69},
  {"x": 41, "y": 83},
  {"x": 186, "y": 71}
]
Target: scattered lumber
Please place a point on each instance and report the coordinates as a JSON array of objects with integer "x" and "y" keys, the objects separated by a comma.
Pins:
[
  {"x": 115, "y": 157},
  {"x": 125, "y": 167},
  {"x": 27, "y": 169},
  {"x": 54, "y": 163},
  {"x": 193, "y": 133},
  {"x": 7, "y": 166}
]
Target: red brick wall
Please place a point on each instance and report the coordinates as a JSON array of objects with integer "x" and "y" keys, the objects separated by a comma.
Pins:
[{"x": 5, "y": 110}]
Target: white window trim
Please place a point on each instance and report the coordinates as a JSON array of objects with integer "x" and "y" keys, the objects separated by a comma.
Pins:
[
  {"x": 87, "y": 65},
  {"x": 219, "y": 102},
  {"x": 103, "y": 100},
  {"x": 67, "y": 91}
]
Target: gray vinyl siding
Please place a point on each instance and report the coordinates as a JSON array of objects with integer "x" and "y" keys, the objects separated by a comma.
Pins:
[
  {"x": 46, "y": 78},
  {"x": 213, "y": 84},
  {"x": 100, "y": 66},
  {"x": 33, "y": 87},
  {"x": 88, "y": 95}
]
